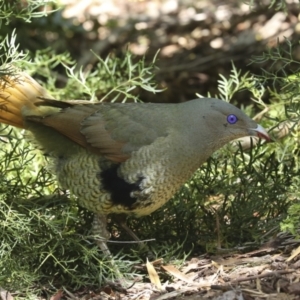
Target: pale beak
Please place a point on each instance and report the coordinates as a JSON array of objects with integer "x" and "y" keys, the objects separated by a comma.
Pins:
[{"x": 262, "y": 133}]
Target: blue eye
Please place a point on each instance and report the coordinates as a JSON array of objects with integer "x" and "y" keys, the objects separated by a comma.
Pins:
[{"x": 232, "y": 119}]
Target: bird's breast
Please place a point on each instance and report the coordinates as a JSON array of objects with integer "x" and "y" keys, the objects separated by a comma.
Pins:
[{"x": 136, "y": 188}]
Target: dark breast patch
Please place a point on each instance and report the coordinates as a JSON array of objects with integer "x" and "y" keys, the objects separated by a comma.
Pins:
[{"x": 118, "y": 188}]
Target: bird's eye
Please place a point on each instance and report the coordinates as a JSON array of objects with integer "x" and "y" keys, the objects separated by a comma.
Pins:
[{"x": 232, "y": 119}]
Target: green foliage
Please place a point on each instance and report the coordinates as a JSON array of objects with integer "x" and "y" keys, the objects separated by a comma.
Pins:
[
  {"x": 239, "y": 195},
  {"x": 235, "y": 198},
  {"x": 25, "y": 10},
  {"x": 284, "y": 88},
  {"x": 121, "y": 79},
  {"x": 284, "y": 83},
  {"x": 41, "y": 230},
  {"x": 291, "y": 223},
  {"x": 280, "y": 5},
  {"x": 45, "y": 236},
  {"x": 9, "y": 53}
]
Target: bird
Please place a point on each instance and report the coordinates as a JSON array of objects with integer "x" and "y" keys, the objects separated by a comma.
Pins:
[{"x": 121, "y": 158}]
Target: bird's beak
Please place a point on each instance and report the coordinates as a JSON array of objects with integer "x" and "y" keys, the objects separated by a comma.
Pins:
[{"x": 261, "y": 133}]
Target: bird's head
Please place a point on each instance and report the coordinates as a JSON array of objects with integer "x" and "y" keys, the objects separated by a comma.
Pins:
[
  {"x": 235, "y": 122},
  {"x": 224, "y": 122}
]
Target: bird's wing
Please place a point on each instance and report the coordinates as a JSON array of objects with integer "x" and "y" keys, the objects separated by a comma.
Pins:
[{"x": 110, "y": 130}]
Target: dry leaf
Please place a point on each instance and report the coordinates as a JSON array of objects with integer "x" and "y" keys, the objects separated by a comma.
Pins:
[
  {"x": 154, "y": 278},
  {"x": 176, "y": 273},
  {"x": 170, "y": 295},
  {"x": 57, "y": 296},
  {"x": 231, "y": 295},
  {"x": 5, "y": 295},
  {"x": 294, "y": 254}
]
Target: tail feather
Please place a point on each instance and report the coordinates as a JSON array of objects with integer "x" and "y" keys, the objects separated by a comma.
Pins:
[{"x": 18, "y": 97}]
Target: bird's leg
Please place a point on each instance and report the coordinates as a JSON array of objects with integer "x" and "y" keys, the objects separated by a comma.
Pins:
[
  {"x": 121, "y": 219},
  {"x": 99, "y": 229}
]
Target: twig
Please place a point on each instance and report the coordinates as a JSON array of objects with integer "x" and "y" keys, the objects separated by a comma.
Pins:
[
  {"x": 270, "y": 274},
  {"x": 131, "y": 242},
  {"x": 241, "y": 279}
]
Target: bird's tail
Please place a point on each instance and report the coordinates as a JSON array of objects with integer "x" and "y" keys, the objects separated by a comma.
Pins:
[{"x": 18, "y": 97}]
